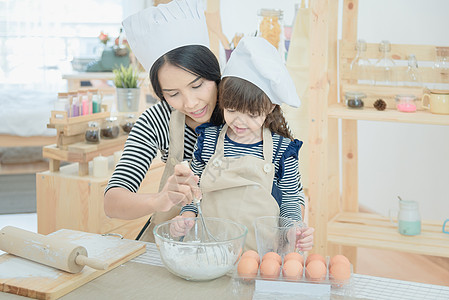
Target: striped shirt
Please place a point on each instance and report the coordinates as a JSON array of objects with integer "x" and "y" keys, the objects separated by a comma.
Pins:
[
  {"x": 149, "y": 134},
  {"x": 285, "y": 159}
]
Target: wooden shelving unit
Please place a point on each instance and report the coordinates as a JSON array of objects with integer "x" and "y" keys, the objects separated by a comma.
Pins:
[
  {"x": 71, "y": 145},
  {"x": 334, "y": 211}
]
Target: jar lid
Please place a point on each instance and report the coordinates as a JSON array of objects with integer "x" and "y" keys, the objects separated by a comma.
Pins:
[
  {"x": 355, "y": 95},
  {"x": 266, "y": 12},
  {"x": 405, "y": 97},
  {"x": 111, "y": 119},
  {"x": 92, "y": 124},
  {"x": 131, "y": 116}
]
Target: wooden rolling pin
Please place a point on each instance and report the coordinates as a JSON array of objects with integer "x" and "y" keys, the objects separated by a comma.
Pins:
[{"x": 47, "y": 250}]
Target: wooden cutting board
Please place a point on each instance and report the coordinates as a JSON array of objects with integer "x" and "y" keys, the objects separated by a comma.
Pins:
[{"x": 27, "y": 278}]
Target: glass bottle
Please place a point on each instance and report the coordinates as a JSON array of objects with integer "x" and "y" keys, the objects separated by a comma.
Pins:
[
  {"x": 359, "y": 69},
  {"x": 385, "y": 66},
  {"x": 441, "y": 65},
  {"x": 413, "y": 74}
]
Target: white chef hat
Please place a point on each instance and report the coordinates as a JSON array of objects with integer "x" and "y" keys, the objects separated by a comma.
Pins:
[
  {"x": 257, "y": 61},
  {"x": 156, "y": 30}
]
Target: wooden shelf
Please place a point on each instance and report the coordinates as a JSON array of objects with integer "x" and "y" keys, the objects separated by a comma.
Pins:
[
  {"x": 388, "y": 115},
  {"x": 375, "y": 231}
]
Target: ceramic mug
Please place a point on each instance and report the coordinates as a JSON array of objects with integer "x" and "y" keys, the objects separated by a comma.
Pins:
[{"x": 437, "y": 102}]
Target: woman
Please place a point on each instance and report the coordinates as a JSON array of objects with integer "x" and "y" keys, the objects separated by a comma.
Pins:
[{"x": 169, "y": 40}]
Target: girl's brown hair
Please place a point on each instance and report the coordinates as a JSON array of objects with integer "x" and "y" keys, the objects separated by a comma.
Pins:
[{"x": 244, "y": 96}]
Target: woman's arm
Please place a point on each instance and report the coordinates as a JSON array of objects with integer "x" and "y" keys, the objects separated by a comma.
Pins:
[{"x": 124, "y": 204}]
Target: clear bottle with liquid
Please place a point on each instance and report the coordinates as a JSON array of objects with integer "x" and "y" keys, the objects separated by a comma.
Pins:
[
  {"x": 359, "y": 69},
  {"x": 385, "y": 67},
  {"x": 413, "y": 73}
]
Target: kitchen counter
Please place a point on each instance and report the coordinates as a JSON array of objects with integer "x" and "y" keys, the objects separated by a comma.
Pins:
[{"x": 146, "y": 278}]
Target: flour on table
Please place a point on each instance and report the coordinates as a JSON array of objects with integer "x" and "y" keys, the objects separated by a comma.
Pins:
[{"x": 18, "y": 267}]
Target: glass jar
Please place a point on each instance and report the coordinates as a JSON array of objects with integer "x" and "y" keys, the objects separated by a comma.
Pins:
[
  {"x": 354, "y": 99},
  {"x": 110, "y": 128},
  {"x": 270, "y": 27},
  {"x": 409, "y": 218},
  {"x": 385, "y": 66},
  {"x": 92, "y": 133},
  {"x": 128, "y": 123},
  {"x": 406, "y": 103}
]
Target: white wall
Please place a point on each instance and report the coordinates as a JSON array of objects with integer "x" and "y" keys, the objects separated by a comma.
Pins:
[
  {"x": 404, "y": 159},
  {"x": 394, "y": 159}
]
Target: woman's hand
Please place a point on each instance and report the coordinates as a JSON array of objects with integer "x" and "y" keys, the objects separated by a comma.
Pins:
[
  {"x": 304, "y": 238},
  {"x": 179, "y": 189},
  {"x": 181, "y": 226}
]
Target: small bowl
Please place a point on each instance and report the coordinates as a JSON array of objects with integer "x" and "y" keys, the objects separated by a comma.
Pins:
[{"x": 191, "y": 258}]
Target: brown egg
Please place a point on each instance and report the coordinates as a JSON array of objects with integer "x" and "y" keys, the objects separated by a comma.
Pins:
[
  {"x": 340, "y": 271},
  {"x": 339, "y": 259},
  {"x": 316, "y": 270},
  {"x": 315, "y": 256},
  {"x": 292, "y": 270},
  {"x": 273, "y": 255},
  {"x": 295, "y": 256},
  {"x": 270, "y": 268},
  {"x": 247, "y": 268},
  {"x": 253, "y": 254}
]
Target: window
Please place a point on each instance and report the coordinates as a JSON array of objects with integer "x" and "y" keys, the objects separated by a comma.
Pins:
[{"x": 38, "y": 39}]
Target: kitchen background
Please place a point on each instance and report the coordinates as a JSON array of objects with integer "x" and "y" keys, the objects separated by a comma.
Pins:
[{"x": 38, "y": 40}]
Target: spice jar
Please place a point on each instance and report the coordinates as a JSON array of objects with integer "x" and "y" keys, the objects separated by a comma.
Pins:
[
  {"x": 110, "y": 128},
  {"x": 270, "y": 26},
  {"x": 354, "y": 99},
  {"x": 405, "y": 103},
  {"x": 128, "y": 123},
  {"x": 92, "y": 133}
]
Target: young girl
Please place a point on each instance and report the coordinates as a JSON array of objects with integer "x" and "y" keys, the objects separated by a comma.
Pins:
[{"x": 249, "y": 166}]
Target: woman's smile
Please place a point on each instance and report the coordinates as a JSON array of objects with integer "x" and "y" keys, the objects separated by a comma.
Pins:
[{"x": 199, "y": 113}]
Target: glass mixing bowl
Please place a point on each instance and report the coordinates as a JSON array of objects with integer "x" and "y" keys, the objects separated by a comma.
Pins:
[{"x": 196, "y": 257}]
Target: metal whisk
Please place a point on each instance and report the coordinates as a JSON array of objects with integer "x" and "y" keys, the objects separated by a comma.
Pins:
[{"x": 206, "y": 235}]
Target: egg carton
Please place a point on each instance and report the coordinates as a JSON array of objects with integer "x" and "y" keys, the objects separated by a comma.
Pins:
[{"x": 343, "y": 287}]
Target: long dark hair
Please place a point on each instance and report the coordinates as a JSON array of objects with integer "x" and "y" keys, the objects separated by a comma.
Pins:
[
  {"x": 196, "y": 59},
  {"x": 244, "y": 96}
]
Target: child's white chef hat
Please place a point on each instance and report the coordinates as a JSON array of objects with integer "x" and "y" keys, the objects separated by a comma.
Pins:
[
  {"x": 257, "y": 61},
  {"x": 156, "y": 30}
]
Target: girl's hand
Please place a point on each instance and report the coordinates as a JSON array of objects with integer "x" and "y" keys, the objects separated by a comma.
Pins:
[
  {"x": 304, "y": 238},
  {"x": 181, "y": 226},
  {"x": 179, "y": 189}
]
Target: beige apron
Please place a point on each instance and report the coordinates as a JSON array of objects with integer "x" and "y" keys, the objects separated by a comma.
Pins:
[
  {"x": 239, "y": 188},
  {"x": 175, "y": 156}
]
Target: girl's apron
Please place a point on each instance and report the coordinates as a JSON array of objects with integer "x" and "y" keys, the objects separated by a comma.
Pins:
[
  {"x": 175, "y": 156},
  {"x": 239, "y": 188}
]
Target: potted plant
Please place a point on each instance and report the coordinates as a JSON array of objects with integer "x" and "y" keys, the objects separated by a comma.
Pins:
[{"x": 127, "y": 82}]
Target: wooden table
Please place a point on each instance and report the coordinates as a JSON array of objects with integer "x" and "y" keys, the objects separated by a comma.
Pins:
[{"x": 145, "y": 278}]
